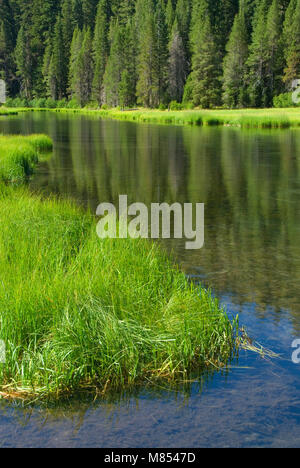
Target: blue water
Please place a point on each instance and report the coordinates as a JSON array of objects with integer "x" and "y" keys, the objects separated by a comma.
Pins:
[{"x": 250, "y": 183}]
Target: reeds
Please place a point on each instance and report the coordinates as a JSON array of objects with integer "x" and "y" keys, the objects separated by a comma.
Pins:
[
  {"x": 19, "y": 155},
  {"x": 78, "y": 312}
]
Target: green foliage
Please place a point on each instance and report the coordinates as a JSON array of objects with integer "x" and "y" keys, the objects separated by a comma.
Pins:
[
  {"x": 167, "y": 49},
  {"x": 205, "y": 85},
  {"x": 101, "y": 49},
  {"x": 283, "y": 100},
  {"x": 234, "y": 68},
  {"x": 19, "y": 156},
  {"x": 175, "y": 106},
  {"x": 71, "y": 320}
]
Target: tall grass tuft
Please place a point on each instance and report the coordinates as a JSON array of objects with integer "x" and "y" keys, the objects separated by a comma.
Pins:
[
  {"x": 77, "y": 312},
  {"x": 19, "y": 155}
]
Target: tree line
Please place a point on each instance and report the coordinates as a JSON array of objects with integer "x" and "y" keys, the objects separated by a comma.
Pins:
[{"x": 205, "y": 53}]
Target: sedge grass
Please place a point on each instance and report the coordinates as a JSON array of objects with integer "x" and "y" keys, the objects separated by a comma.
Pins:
[
  {"x": 242, "y": 118},
  {"x": 78, "y": 312},
  {"x": 19, "y": 155}
]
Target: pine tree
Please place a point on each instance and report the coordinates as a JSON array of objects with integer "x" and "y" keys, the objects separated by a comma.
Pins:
[
  {"x": 89, "y": 8},
  {"x": 78, "y": 13},
  {"x": 204, "y": 84},
  {"x": 74, "y": 57},
  {"x": 183, "y": 16},
  {"x": 274, "y": 56},
  {"x": 67, "y": 25},
  {"x": 257, "y": 60},
  {"x": 23, "y": 54},
  {"x": 177, "y": 71},
  {"x": 170, "y": 16},
  {"x": 115, "y": 66},
  {"x": 125, "y": 90},
  {"x": 125, "y": 11},
  {"x": 7, "y": 42},
  {"x": 161, "y": 50},
  {"x": 101, "y": 48},
  {"x": 148, "y": 75},
  {"x": 224, "y": 16},
  {"x": 56, "y": 67},
  {"x": 84, "y": 71},
  {"x": 292, "y": 50},
  {"x": 234, "y": 67}
]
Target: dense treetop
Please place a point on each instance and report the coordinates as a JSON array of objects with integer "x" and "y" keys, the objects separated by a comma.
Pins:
[{"x": 208, "y": 53}]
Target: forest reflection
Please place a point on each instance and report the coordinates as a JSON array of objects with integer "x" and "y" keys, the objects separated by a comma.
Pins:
[{"x": 248, "y": 180}]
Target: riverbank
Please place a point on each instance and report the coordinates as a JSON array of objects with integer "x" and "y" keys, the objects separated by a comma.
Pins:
[
  {"x": 80, "y": 313},
  {"x": 243, "y": 118}
]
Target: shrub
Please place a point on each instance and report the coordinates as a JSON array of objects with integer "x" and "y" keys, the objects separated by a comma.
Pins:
[
  {"x": 283, "y": 101},
  {"x": 175, "y": 106}
]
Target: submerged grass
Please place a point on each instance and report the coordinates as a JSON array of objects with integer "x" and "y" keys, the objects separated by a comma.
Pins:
[
  {"x": 78, "y": 312},
  {"x": 19, "y": 155}
]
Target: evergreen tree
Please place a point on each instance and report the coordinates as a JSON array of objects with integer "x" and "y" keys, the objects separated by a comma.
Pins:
[
  {"x": 23, "y": 54},
  {"x": 84, "y": 71},
  {"x": 125, "y": 11},
  {"x": 274, "y": 53},
  {"x": 224, "y": 16},
  {"x": 7, "y": 43},
  {"x": 67, "y": 25},
  {"x": 148, "y": 69},
  {"x": 74, "y": 57},
  {"x": 257, "y": 60},
  {"x": 292, "y": 50},
  {"x": 170, "y": 16},
  {"x": 89, "y": 9},
  {"x": 183, "y": 16},
  {"x": 204, "y": 86},
  {"x": 55, "y": 65},
  {"x": 78, "y": 13},
  {"x": 115, "y": 66},
  {"x": 101, "y": 48},
  {"x": 177, "y": 71},
  {"x": 161, "y": 50},
  {"x": 235, "y": 68}
]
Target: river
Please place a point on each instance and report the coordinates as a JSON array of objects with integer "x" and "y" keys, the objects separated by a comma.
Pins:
[{"x": 249, "y": 181}]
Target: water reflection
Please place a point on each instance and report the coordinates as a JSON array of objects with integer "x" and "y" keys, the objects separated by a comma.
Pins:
[{"x": 249, "y": 181}]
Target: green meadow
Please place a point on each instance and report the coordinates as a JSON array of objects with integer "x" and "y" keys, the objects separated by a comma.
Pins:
[
  {"x": 243, "y": 118},
  {"x": 79, "y": 313}
]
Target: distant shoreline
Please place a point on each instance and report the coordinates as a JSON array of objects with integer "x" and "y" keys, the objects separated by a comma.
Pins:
[{"x": 243, "y": 118}]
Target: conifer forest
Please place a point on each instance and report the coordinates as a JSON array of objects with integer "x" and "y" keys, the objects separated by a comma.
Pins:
[{"x": 204, "y": 53}]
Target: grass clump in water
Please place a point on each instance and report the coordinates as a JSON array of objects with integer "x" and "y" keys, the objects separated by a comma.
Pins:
[
  {"x": 78, "y": 312},
  {"x": 19, "y": 155}
]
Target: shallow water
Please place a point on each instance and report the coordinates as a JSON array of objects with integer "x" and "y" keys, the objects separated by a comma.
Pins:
[{"x": 250, "y": 184}]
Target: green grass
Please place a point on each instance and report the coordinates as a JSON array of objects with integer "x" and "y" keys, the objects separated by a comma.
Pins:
[
  {"x": 19, "y": 155},
  {"x": 82, "y": 313},
  {"x": 246, "y": 118},
  {"x": 5, "y": 111},
  {"x": 243, "y": 118}
]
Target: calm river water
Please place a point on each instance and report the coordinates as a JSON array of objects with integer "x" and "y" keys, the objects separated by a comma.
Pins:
[{"x": 250, "y": 184}]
